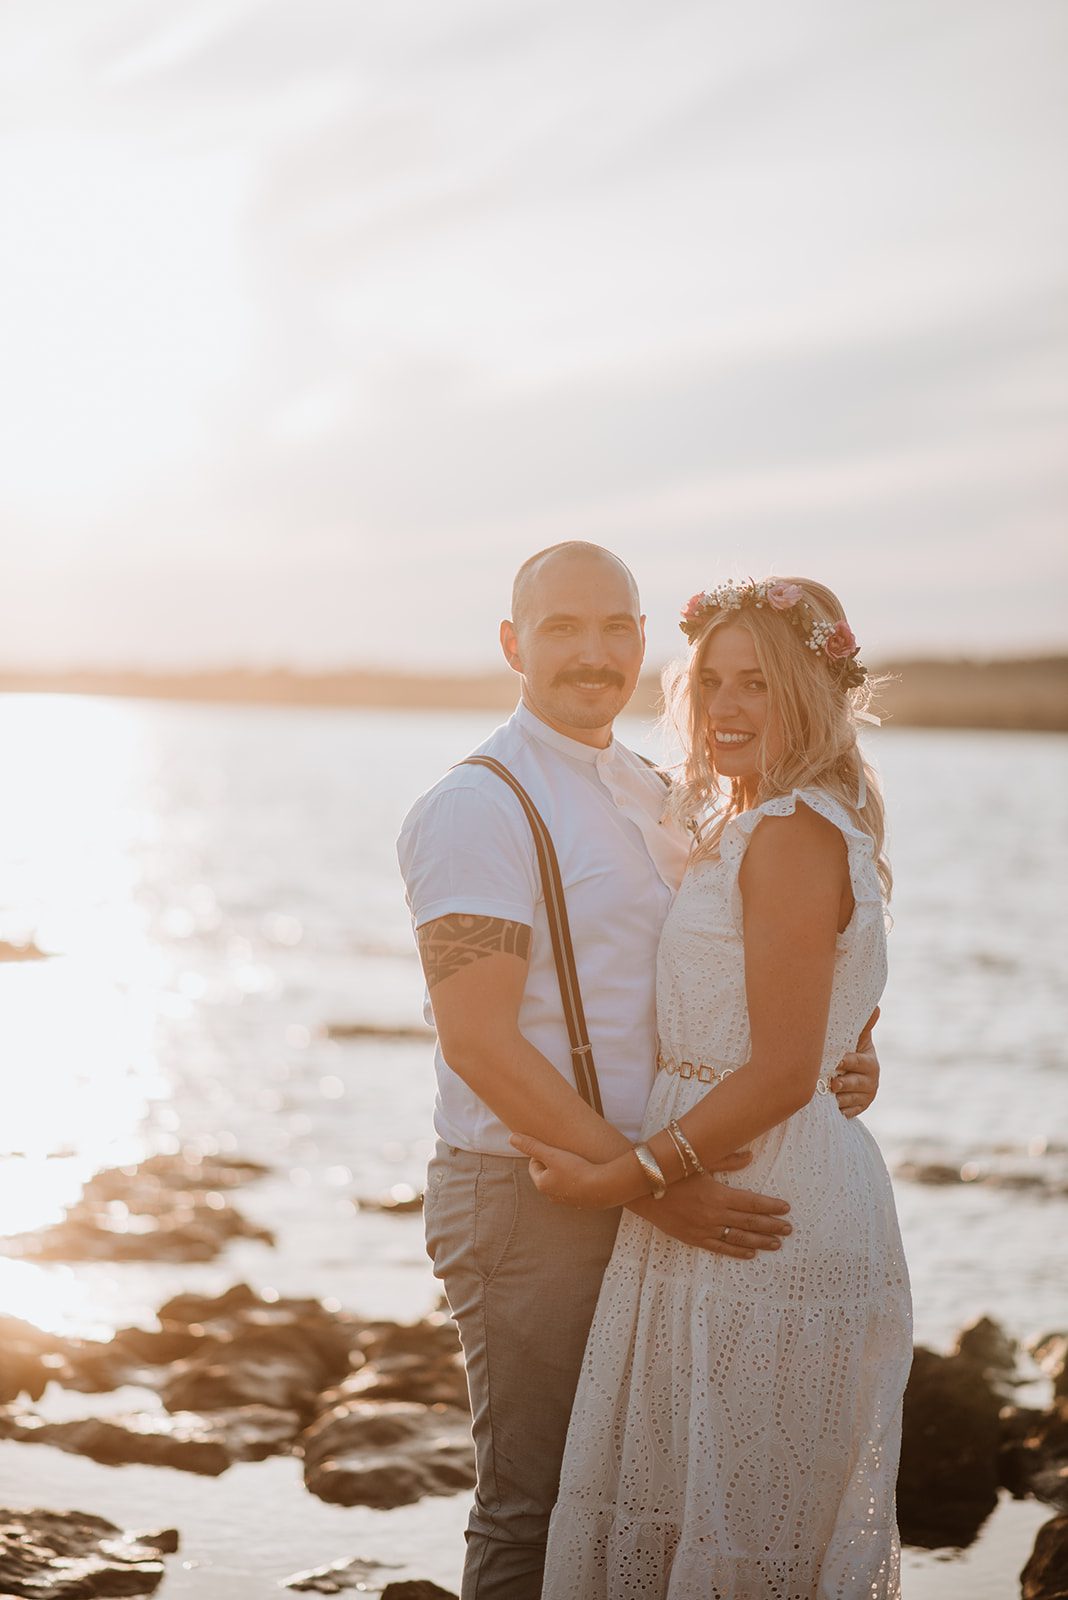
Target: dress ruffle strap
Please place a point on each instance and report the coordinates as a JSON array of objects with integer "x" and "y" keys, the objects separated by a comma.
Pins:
[{"x": 860, "y": 847}]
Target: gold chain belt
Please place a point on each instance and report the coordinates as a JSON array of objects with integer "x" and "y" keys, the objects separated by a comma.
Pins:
[{"x": 707, "y": 1074}]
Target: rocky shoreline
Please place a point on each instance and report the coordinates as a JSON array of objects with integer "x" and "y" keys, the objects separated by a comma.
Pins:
[{"x": 376, "y": 1411}]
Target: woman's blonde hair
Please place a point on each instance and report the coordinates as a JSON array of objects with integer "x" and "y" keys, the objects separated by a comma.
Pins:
[{"x": 818, "y": 716}]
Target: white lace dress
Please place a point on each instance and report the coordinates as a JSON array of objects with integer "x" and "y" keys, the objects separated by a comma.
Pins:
[{"x": 737, "y": 1424}]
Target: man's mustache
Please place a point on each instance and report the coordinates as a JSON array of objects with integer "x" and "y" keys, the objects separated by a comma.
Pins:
[{"x": 601, "y": 679}]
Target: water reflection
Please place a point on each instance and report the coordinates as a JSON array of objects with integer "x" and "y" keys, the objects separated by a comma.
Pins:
[
  {"x": 234, "y": 964},
  {"x": 78, "y": 1030},
  {"x": 54, "y": 1298}
]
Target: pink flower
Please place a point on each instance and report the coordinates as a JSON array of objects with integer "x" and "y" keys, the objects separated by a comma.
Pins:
[
  {"x": 693, "y": 606},
  {"x": 840, "y": 643},
  {"x": 781, "y": 596}
]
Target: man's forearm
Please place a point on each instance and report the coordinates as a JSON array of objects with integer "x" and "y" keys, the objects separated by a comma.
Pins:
[{"x": 529, "y": 1095}]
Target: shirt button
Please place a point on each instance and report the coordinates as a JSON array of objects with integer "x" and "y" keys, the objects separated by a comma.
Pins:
[{"x": 620, "y": 802}]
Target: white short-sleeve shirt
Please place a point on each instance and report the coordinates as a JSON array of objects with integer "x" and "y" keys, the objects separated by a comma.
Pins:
[{"x": 466, "y": 847}]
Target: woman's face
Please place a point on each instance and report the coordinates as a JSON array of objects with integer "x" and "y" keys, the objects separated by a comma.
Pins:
[{"x": 745, "y": 735}]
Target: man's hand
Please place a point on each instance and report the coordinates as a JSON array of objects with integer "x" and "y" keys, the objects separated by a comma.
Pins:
[
  {"x": 698, "y": 1210},
  {"x": 562, "y": 1176},
  {"x": 857, "y": 1081}
]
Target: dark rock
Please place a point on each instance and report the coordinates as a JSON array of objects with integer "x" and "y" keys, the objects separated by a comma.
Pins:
[
  {"x": 337, "y": 1578},
  {"x": 932, "y": 1172},
  {"x": 131, "y": 1356},
  {"x": 279, "y": 1352},
  {"x": 387, "y": 1454},
  {"x": 283, "y": 1367},
  {"x": 201, "y": 1310},
  {"x": 400, "y": 1201},
  {"x": 433, "y": 1338},
  {"x": 374, "y": 1030},
  {"x": 1038, "y": 1453},
  {"x": 406, "y": 1378},
  {"x": 1045, "y": 1577},
  {"x": 420, "y": 1589},
  {"x": 240, "y": 1372},
  {"x": 1016, "y": 1462},
  {"x": 987, "y": 1343},
  {"x": 29, "y": 1358},
  {"x": 240, "y": 1307},
  {"x": 69, "y": 1555},
  {"x": 22, "y": 952},
  {"x": 168, "y": 1208},
  {"x": 987, "y": 1175},
  {"x": 1021, "y": 1181},
  {"x": 189, "y": 1443},
  {"x": 1051, "y": 1353},
  {"x": 190, "y": 1169},
  {"x": 420, "y": 1361},
  {"x": 948, "y": 1481}
]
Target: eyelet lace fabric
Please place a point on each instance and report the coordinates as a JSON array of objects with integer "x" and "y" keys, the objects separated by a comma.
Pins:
[{"x": 737, "y": 1425}]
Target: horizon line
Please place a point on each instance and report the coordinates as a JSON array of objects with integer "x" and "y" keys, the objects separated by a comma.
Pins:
[{"x": 1050, "y": 655}]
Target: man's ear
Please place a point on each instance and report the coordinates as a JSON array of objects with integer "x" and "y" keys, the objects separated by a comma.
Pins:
[{"x": 510, "y": 646}]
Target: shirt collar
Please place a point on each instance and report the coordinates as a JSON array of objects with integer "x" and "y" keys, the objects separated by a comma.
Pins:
[{"x": 535, "y": 728}]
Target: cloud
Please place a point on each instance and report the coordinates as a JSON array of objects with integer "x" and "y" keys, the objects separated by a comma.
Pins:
[{"x": 429, "y": 286}]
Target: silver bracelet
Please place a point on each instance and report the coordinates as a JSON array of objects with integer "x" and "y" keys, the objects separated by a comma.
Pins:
[{"x": 651, "y": 1167}]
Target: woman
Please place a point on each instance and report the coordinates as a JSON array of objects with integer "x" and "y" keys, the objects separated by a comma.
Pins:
[{"x": 737, "y": 1424}]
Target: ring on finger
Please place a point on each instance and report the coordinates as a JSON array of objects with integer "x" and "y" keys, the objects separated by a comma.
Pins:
[{"x": 724, "y": 1236}]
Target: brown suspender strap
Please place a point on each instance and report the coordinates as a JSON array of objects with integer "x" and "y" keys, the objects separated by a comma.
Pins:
[
  {"x": 560, "y": 931},
  {"x": 653, "y": 768}
]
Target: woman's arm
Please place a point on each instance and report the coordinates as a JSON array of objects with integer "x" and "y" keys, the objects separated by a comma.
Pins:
[{"x": 792, "y": 879}]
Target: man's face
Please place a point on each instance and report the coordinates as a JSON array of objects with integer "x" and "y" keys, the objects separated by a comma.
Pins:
[{"x": 579, "y": 644}]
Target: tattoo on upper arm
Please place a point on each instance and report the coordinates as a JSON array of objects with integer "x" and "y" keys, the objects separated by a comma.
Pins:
[{"x": 450, "y": 943}]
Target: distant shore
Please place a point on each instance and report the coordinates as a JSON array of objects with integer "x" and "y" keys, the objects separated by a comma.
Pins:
[{"x": 1025, "y": 694}]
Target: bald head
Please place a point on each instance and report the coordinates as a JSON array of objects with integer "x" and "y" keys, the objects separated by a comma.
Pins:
[
  {"x": 552, "y": 561},
  {"x": 577, "y": 637}
]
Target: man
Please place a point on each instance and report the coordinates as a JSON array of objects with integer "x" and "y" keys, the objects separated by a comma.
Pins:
[{"x": 521, "y": 1275}]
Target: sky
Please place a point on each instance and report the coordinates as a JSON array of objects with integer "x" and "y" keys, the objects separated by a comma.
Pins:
[{"x": 317, "y": 318}]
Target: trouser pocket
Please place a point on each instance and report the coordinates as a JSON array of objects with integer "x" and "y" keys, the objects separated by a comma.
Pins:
[
  {"x": 435, "y": 1178},
  {"x": 496, "y": 1214}
]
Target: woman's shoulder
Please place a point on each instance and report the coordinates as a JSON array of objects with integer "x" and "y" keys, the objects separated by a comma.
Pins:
[{"x": 801, "y": 822}]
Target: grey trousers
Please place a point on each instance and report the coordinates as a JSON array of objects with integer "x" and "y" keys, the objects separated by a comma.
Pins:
[{"x": 522, "y": 1277}]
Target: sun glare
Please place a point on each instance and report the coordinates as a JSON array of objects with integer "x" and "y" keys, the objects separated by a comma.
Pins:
[{"x": 77, "y": 1029}]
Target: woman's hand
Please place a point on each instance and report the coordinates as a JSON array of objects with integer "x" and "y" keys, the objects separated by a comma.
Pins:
[
  {"x": 857, "y": 1080},
  {"x": 564, "y": 1177}
]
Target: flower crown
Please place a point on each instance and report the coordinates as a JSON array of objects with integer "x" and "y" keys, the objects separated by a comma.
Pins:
[{"x": 834, "y": 641}]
